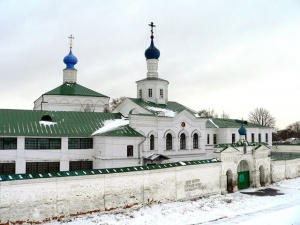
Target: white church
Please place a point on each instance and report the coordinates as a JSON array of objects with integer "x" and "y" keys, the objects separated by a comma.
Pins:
[{"x": 70, "y": 129}]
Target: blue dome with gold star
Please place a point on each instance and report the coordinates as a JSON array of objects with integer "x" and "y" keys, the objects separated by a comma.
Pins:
[
  {"x": 70, "y": 60},
  {"x": 152, "y": 52}
]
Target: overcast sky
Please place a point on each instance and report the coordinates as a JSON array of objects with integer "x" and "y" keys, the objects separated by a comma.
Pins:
[{"x": 230, "y": 56}]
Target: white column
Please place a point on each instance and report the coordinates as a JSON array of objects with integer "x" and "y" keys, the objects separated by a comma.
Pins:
[{"x": 21, "y": 157}]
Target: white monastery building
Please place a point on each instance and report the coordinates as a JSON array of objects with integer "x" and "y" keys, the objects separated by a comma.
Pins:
[{"x": 70, "y": 129}]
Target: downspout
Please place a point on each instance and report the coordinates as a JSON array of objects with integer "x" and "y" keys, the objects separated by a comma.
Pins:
[{"x": 139, "y": 149}]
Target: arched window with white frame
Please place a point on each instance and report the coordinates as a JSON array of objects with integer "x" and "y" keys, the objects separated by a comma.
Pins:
[
  {"x": 182, "y": 141},
  {"x": 168, "y": 141},
  {"x": 152, "y": 142},
  {"x": 195, "y": 140}
]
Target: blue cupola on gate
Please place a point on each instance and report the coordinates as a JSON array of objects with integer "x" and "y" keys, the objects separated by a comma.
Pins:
[
  {"x": 242, "y": 130},
  {"x": 152, "y": 52},
  {"x": 70, "y": 60}
]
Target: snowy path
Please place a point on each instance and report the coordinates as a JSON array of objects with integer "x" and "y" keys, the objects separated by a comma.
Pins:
[{"x": 236, "y": 208}]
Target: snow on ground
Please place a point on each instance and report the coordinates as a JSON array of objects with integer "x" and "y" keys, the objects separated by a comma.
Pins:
[
  {"x": 236, "y": 208},
  {"x": 111, "y": 125}
]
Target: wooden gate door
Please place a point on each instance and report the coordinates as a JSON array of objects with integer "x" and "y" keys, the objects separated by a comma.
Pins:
[{"x": 243, "y": 180}]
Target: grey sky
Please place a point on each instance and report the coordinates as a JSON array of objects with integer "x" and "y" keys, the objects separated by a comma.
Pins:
[{"x": 230, "y": 56}]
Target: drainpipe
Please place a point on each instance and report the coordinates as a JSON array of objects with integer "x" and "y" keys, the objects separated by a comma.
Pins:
[{"x": 139, "y": 150}]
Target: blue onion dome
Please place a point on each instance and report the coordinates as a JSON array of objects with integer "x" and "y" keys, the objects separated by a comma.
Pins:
[
  {"x": 152, "y": 52},
  {"x": 70, "y": 60},
  {"x": 242, "y": 130}
]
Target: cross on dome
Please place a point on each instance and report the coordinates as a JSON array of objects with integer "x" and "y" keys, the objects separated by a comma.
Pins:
[
  {"x": 151, "y": 25},
  {"x": 71, "y": 37},
  {"x": 152, "y": 52}
]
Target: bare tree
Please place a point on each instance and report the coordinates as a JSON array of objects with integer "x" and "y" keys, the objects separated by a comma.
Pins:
[
  {"x": 116, "y": 102},
  {"x": 224, "y": 115},
  {"x": 210, "y": 113},
  {"x": 263, "y": 117},
  {"x": 87, "y": 108},
  {"x": 295, "y": 127}
]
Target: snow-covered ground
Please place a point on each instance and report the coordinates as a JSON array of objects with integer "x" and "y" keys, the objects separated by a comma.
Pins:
[{"x": 236, "y": 208}]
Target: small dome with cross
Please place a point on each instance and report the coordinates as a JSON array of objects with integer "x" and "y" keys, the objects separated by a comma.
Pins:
[{"x": 152, "y": 52}]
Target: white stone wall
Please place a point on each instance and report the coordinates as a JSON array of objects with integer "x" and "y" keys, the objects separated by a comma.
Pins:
[
  {"x": 42, "y": 200},
  {"x": 111, "y": 152},
  {"x": 285, "y": 169},
  {"x": 71, "y": 103},
  {"x": 224, "y": 135},
  {"x": 160, "y": 126},
  {"x": 63, "y": 155}
]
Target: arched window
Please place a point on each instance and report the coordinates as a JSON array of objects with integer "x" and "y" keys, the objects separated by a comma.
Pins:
[
  {"x": 182, "y": 141},
  {"x": 195, "y": 141},
  {"x": 152, "y": 142},
  {"x": 169, "y": 141}
]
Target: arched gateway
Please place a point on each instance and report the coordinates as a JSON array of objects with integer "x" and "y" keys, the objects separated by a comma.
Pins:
[{"x": 243, "y": 170}]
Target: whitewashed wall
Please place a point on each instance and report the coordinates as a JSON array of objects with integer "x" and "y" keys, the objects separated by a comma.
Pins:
[
  {"x": 70, "y": 103},
  {"x": 40, "y": 200},
  {"x": 285, "y": 169}
]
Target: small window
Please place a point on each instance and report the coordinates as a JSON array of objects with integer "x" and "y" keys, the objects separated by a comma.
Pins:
[
  {"x": 182, "y": 141},
  {"x": 80, "y": 143},
  {"x": 141, "y": 93},
  {"x": 150, "y": 93},
  {"x": 215, "y": 139},
  {"x": 152, "y": 142},
  {"x": 8, "y": 143},
  {"x": 129, "y": 150},
  {"x": 259, "y": 137},
  {"x": 169, "y": 142},
  {"x": 233, "y": 138},
  {"x": 195, "y": 141},
  {"x": 208, "y": 139},
  {"x": 80, "y": 165},
  {"x": 47, "y": 118},
  {"x": 267, "y": 137},
  {"x": 42, "y": 167},
  {"x": 161, "y": 93},
  {"x": 252, "y": 137},
  {"x": 7, "y": 168},
  {"x": 42, "y": 143}
]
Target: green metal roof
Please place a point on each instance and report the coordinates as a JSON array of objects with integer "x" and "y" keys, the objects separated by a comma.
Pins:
[
  {"x": 15, "y": 122},
  {"x": 230, "y": 123},
  {"x": 172, "y": 106},
  {"x": 73, "y": 89},
  {"x": 121, "y": 132},
  {"x": 11, "y": 177}
]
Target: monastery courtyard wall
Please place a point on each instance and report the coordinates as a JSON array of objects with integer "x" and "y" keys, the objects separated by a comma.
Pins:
[{"x": 39, "y": 200}]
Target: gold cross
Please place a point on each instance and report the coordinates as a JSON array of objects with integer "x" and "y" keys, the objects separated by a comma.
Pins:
[{"x": 71, "y": 39}]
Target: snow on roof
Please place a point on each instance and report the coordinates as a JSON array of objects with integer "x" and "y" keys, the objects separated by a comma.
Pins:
[
  {"x": 167, "y": 112},
  {"x": 197, "y": 115},
  {"x": 47, "y": 123},
  {"x": 214, "y": 123},
  {"x": 111, "y": 125}
]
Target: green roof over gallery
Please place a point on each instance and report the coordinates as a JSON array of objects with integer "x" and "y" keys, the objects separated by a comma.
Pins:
[
  {"x": 74, "y": 89},
  {"x": 230, "y": 123},
  {"x": 15, "y": 122}
]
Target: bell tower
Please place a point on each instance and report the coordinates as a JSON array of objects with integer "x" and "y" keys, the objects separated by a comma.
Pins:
[{"x": 153, "y": 88}]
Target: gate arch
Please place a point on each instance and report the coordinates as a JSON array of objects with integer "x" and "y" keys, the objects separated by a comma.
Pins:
[{"x": 243, "y": 171}]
